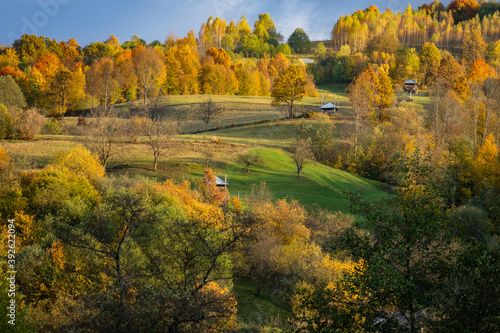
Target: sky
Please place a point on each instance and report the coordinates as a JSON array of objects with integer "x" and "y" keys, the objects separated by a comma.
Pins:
[{"x": 95, "y": 20}]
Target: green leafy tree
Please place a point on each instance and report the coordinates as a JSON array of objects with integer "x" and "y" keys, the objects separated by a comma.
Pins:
[
  {"x": 30, "y": 47},
  {"x": 6, "y": 125},
  {"x": 11, "y": 95},
  {"x": 403, "y": 250},
  {"x": 320, "y": 49},
  {"x": 299, "y": 41}
]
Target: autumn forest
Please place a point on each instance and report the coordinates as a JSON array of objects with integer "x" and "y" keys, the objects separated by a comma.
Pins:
[{"x": 194, "y": 185}]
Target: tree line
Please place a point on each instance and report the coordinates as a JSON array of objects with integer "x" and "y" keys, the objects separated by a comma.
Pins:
[
  {"x": 62, "y": 76},
  {"x": 403, "y": 41}
]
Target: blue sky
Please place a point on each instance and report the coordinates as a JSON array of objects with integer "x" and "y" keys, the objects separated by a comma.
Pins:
[{"x": 95, "y": 20}]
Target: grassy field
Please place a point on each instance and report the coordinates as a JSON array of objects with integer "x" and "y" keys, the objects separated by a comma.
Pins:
[{"x": 320, "y": 185}]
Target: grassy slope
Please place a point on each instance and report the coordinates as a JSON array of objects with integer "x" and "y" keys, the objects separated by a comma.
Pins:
[{"x": 319, "y": 185}]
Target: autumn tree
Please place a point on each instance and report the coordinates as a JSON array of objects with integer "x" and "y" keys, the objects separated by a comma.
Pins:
[
  {"x": 160, "y": 134},
  {"x": 463, "y": 10},
  {"x": 96, "y": 51},
  {"x": 30, "y": 47},
  {"x": 9, "y": 58},
  {"x": 126, "y": 78},
  {"x": 491, "y": 89},
  {"x": 66, "y": 90},
  {"x": 473, "y": 45},
  {"x": 249, "y": 159},
  {"x": 301, "y": 153},
  {"x": 217, "y": 79},
  {"x": 479, "y": 71},
  {"x": 149, "y": 69},
  {"x": 29, "y": 123},
  {"x": 289, "y": 88},
  {"x": 248, "y": 80},
  {"x": 220, "y": 56},
  {"x": 101, "y": 136},
  {"x": 208, "y": 111},
  {"x": 320, "y": 49},
  {"x": 430, "y": 58},
  {"x": 80, "y": 161},
  {"x": 103, "y": 82},
  {"x": 361, "y": 93},
  {"x": 385, "y": 92},
  {"x": 182, "y": 66}
]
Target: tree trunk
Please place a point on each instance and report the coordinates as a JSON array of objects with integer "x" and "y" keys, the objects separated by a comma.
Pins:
[
  {"x": 486, "y": 119},
  {"x": 145, "y": 93}
]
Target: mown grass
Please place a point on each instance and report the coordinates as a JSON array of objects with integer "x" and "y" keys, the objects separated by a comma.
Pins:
[{"x": 319, "y": 186}]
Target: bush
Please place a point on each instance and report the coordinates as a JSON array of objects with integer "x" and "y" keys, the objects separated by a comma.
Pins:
[
  {"x": 215, "y": 140},
  {"x": 309, "y": 114},
  {"x": 82, "y": 121},
  {"x": 52, "y": 127},
  {"x": 29, "y": 124}
]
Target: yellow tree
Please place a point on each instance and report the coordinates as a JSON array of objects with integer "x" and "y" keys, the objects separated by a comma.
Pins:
[
  {"x": 70, "y": 49},
  {"x": 127, "y": 77},
  {"x": 361, "y": 93},
  {"x": 220, "y": 56},
  {"x": 182, "y": 66},
  {"x": 105, "y": 78},
  {"x": 9, "y": 58},
  {"x": 80, "y": 161},
  {"x": 248, "y": 80},
  {"x": 473, "y": 45},
  {"x": 149, "y": 68},
  {"x": 289, "y": 88},
  {"x": 385, "y": 92},
  {"x": 486, "y": 163},
  {"x": 277, "y": 65},
  {"x": 66, "y": 89},
  {"x": 479, "y": 71}
]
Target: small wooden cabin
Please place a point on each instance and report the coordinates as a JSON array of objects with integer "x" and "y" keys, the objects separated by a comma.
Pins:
[
  {"x": 410, "y": 87},
  {"x": 329, "y": 108}
]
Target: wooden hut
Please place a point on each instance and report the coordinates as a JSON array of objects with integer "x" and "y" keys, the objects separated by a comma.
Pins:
[
  {"x": 410, "y": 87},
  {"x": 329, "y": 108}
]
